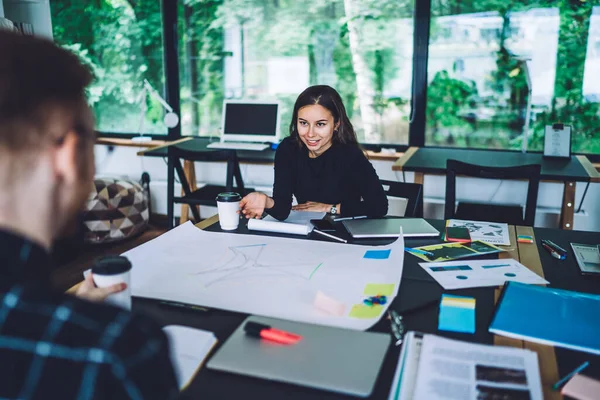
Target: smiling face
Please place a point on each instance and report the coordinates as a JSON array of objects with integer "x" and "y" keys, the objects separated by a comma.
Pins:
[{"x": 316, "y": 127}]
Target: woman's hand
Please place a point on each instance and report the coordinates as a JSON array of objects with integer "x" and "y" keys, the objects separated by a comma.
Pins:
[
  {"x": 88, "y": 290},
  {"x": 253, "y": 205},
  {"x": 312, "y": 206}
]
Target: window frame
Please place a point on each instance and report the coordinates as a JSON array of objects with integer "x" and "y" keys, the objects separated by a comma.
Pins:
[{"x": 417, "y": 127}]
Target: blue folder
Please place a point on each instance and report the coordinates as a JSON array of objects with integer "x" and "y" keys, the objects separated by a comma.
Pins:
[{"x": 549, "y": 316}]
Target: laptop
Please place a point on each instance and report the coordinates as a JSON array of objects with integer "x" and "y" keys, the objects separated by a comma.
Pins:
[
  {"x": 389, "y": 227},
  {"x": 326, "y": 358},
  {"x": 248, "y": 125}
]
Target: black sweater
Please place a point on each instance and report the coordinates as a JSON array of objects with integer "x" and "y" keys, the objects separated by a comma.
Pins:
[{"x": 342, "y": 174}]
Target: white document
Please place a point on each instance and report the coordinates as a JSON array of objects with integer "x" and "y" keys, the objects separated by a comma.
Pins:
[
  {"x": 489, "y": 232},
  {"x": 262, "y": 275},
  {"x": 456, "y": 370},
  {"x": 480, "y": 273},
  {"x": 297, "y": 223},
  {"x": 188, "y": 347},
  {"x": 403, "y": 385}
]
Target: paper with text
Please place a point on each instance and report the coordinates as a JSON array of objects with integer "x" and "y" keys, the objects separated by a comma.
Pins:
[
  {"x": 489, "y": 232},
  {"x": 453, "y": 370},
  {"x": 480, "y": 273}
]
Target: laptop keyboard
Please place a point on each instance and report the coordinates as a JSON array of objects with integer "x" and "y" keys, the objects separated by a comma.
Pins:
[{"x": 238, "y": 146}]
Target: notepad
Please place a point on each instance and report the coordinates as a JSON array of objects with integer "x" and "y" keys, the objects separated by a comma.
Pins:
[
  {"x": 188, "y": 349},
  {"x": 549, "y": 316},
  {"x": 457, "y": 314}
]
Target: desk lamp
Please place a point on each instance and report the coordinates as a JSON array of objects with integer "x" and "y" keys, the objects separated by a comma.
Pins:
[{"x": 171, "y": 119}]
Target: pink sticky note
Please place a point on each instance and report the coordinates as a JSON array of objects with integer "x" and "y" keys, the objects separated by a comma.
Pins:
[
  {"x": 329, "y": 305},
  {"x": 581, "y": 387}
]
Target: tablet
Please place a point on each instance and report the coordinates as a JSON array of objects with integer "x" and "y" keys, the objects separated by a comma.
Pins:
[{"x": 587, "y": 257}]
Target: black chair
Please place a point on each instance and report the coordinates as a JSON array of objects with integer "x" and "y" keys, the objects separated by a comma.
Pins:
[
  {"x": 492, "y": 212},
  {"x": 413, "y": 192},
  {"x": 207, "y": 195}
]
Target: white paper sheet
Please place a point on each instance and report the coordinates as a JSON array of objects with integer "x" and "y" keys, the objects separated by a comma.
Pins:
[
  {"x": 480, "y": 273},
  {"x": 456, "y": 370},
  {"x": 489, "y": 232},
  {"x": 297, "y": 223},
  {"x": 405, "y": 378},
  {"x": 274, "y": 277},
  {"x": 299, "y": 217},
  {"x": 188, "y": 349}
]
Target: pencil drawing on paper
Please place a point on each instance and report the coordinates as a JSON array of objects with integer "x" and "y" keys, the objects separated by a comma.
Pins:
[{"x": 248, "y": 261}]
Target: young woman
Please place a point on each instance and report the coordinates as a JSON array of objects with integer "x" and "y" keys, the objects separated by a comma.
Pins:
[{"x": 321, "y": 164}]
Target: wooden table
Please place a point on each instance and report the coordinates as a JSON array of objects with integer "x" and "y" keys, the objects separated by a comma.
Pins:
[
  {"x": 432, "y": 161},
  {"x": 416, "y": 288}
]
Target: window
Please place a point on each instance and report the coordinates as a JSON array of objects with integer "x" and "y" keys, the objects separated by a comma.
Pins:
[
  {"x": 254, "y": 49},
  {"x": 482, "y": 100},
  {"x": 122, "y": 41}
]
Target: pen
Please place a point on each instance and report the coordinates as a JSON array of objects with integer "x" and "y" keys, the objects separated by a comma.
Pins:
[
  {"x": 330, "y": 236},
  {"x": 554, "y": 246},
  {"x": 266, "y": 332},
  {"x": 183, "y": 305},
  {"x": 411, "y": 250},
  {"x": 348, "y": 218},
  {"x": 552, "y": 252},
  {"x": 569, "y": 376}
]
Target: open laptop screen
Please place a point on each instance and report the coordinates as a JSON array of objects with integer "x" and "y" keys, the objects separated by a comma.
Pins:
[{"x": 250, "y": 121}]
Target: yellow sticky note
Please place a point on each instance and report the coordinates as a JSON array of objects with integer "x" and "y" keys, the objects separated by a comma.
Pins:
[
  {"x": 384, "y": 289},
  {"x": 365, "y": 312}
]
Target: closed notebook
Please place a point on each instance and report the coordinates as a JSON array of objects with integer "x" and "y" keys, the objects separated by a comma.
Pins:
[
  {"x": 389, "y": 227},
  {"x": 188, "y": 349},
  {"x": 333, "y": 359},
  {"x": 549, "y": 316}
]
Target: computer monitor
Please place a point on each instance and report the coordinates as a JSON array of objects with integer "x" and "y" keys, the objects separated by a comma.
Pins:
[{"x": 250, "y": 121}]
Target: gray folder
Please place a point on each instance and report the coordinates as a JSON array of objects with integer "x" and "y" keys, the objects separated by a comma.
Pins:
[
  {"x": 334, "y": 359},
  {"x": 389, "y": 227}
]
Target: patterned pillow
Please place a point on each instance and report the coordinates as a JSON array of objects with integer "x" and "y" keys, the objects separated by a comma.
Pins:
[{"x": 116, "y": 209}]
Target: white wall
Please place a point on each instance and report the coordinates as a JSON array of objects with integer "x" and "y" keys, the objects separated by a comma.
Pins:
[
  {"x": 35, "y": 12},
  {"x": 1, "y": 8},
  {"x": 124, "y": 162}
]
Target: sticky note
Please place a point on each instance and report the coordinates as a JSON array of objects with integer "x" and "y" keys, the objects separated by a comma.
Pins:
[
  {"x": 524, "y": 239},
  {"x": 329, "y": 304},
  {"x": 365, "y": 312},
  {"x": 457, "y": 314},
  {"x": 374, "y": 289},
  {"x": 582, "y": 387},
  {"x": 378, "y": 254}
]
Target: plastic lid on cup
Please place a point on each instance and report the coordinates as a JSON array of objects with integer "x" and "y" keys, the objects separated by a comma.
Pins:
[
  {"x": 111, "y": 265},
  {"x": 228, "y": 197}
]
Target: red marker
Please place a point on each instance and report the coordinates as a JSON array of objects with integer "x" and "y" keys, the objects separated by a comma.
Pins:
[{"x": 266, "y": 332}]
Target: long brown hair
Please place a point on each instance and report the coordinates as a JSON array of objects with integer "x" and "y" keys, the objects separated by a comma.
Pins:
[{"x": 327, "y": 97}]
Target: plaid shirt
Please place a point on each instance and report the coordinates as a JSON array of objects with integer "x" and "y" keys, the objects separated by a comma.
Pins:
[{"x": 55, "y": 346}]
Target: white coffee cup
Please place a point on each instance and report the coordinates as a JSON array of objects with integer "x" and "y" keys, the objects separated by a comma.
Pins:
[
  {"x": 110, "y": 270},
  {"x": 228, "y": 204}
]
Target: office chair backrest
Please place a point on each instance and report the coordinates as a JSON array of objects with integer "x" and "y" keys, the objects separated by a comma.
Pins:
[
  {"x": 412, "y": 192},
  {"x": 530, "y": 172}
]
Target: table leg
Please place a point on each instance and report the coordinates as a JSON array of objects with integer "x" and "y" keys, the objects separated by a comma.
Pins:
[
  {"x": 567, "y": 212},
  {"x": 190, "y": 174},
  {"x": 419, "y": 177}
]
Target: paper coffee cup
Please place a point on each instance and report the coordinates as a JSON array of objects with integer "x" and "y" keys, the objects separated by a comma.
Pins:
[
  {"x": 228, "y": 204},
  {"x": 110, "y": 270}
]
